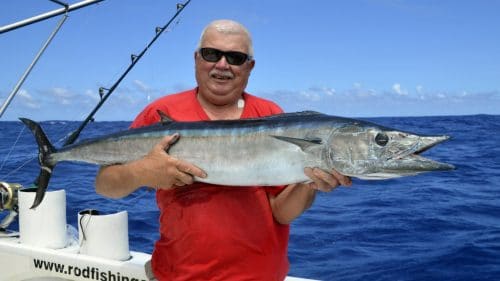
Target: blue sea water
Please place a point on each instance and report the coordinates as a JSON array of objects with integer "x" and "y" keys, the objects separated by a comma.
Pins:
[{"x": 435, "y": 226}]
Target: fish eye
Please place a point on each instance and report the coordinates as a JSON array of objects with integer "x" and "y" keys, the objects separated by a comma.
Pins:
[{"x": 381, "y": 139}]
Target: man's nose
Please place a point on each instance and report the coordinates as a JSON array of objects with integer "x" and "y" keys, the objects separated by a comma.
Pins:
[{"x": 222, "y": 63}]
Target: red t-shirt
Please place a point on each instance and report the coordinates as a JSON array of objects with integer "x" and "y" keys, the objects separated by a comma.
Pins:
[{"x": 210, "y": 232}]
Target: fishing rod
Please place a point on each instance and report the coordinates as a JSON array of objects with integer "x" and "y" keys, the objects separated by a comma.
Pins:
[{"x": 105, "y": 93}]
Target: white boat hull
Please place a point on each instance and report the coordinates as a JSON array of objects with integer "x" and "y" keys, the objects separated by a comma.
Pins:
[{"x": 24, "y": 262}]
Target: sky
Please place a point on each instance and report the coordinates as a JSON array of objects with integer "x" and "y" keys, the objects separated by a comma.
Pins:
[{"x": 358, "y": 58}]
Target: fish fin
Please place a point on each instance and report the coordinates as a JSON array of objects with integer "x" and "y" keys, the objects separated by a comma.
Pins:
[
  {"x": 302, "y": 143},
  {"x": 293, "y": 114},
  {"x": 42, "y": 182},
  {"x": 45, "y": 149},
  {"x": 164, "y": 118}
]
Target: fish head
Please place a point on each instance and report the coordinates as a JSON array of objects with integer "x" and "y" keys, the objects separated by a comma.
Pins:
[{"x": 375, "y": 152}]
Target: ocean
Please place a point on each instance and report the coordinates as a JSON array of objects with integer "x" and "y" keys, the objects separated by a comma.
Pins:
[{"x": 434, "y": 226}]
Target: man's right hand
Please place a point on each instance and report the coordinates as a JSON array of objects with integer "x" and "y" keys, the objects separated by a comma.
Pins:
[
  {"x": 166, "y": 171},
  {"x": 157, "y": 169}
]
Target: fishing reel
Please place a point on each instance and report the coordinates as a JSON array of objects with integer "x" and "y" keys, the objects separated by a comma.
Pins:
[{"x": 8, "y": 202}]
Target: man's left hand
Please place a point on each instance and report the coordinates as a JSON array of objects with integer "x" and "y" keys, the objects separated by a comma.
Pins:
[{"x": 326, "y": 181}]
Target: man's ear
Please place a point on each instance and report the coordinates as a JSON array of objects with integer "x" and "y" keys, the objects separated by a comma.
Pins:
[{"x": 252, "y": 64}]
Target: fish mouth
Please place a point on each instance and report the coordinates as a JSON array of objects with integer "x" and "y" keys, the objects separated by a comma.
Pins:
[
  {"x": 427, "y": 143},
  {"x": 411, "y": 162}
]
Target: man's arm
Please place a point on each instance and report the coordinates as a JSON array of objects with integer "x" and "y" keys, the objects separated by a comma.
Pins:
[
  {"x": 157, "y": 169},
  {"x": 296, "y": 198}
]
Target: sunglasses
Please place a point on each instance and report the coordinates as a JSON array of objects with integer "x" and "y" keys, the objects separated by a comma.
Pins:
[{"x": 232, "y": 57}]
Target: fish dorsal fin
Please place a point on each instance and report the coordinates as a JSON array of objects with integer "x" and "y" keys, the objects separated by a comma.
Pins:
[
  {"x": 302, "y": 143},
  {"x": 294, "y": 114},
  {"x": 164, "y": 118}
]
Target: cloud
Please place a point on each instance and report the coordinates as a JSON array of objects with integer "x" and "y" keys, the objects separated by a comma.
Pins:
[
  {"x": 356, "y": 101},
  {"x": 317, "y": 93},
  {"x": 27, "y": 100},
  {"x": 310, "y": 95},
  {"x": 141, "y": 86},
  {"x": 330, "y": 92},
  {"x": 91, "y": 96},
  {"x": 361, "y": 102},
  {"x": 62, "y": 96},
  {"x": 145, "y": 89},
  {"x": 398, "y": 90}
]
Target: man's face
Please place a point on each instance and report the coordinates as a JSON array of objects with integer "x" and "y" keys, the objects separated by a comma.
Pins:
[{"x": 221, "y": 83}]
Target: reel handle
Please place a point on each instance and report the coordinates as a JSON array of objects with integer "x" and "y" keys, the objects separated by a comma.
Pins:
[
  {"x": 8, "y": 196},
  {"x": 8, "y": 202}
]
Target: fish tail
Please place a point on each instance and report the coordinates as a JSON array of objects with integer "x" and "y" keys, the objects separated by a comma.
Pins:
[{"x": 45, "y": 149}]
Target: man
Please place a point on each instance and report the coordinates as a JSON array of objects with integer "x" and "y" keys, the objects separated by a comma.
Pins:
[{"x": 210, "y": 232}]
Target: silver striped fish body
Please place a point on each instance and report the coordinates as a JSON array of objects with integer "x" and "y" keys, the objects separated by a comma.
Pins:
[
  {"x": 255, "y": 157},
  {"x": 253, "y": 152},
  {"x": 272, "y": 150},
  {"x": 239, "y": 152}
]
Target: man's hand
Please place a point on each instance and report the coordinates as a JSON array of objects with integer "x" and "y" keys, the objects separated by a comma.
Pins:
[
  {"x": 166, "y": 171},
  {"x": 296, "y": 198},
  {"x": 325, "y": 181}
]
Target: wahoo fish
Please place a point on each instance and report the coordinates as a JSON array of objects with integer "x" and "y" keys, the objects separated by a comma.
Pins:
[{"x": 265, "y": 151}]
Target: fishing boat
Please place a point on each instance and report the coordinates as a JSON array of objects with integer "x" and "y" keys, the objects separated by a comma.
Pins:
[{"x": 45, "y": 247}]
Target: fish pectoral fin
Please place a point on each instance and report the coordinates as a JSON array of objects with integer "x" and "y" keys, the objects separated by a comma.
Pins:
[
  {"x": 304, "y": 144},
  {"x": 164, "y": 118}
]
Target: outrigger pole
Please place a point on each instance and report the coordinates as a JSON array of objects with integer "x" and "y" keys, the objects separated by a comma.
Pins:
[
  {"x": 105, "y": 93},
  {"x": 67, "y": 8}
]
